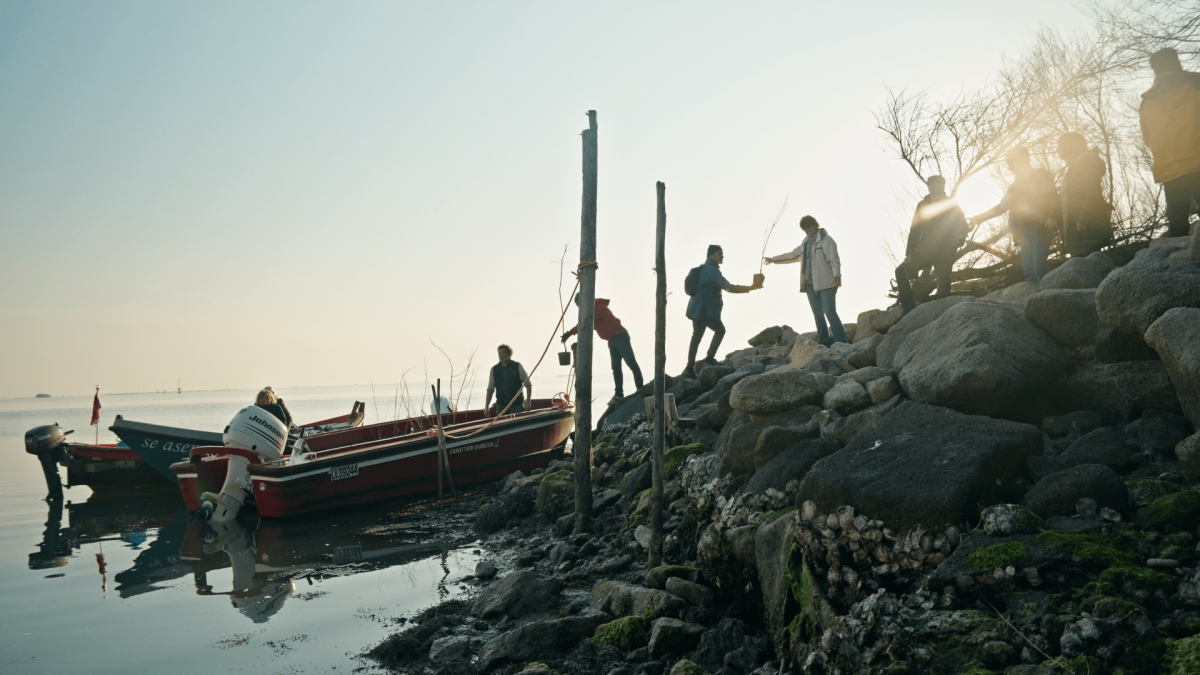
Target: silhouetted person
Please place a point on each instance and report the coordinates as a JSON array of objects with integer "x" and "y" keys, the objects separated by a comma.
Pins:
[
  {"x": 1033, "y": 212},
  {"x": 505, "y": 380},
  {"x": 938, "y": 229},
  {"x": 609, "y": 328},
  {"x": 1089, "y": 216},
  {"x": 704, "y": 309},
  {"x": 820, "y": 277},
  {"x": 1170, "y": 116}
]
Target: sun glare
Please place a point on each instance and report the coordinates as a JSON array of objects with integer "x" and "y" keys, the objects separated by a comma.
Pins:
[{"x": 979, "y": 193}]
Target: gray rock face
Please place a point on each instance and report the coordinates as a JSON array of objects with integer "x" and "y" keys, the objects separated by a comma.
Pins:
[
  {"x": 867, "y": 374},
  {"x": 1134, "y": 296},
  {"x": 774, "y": 440},
  {"x": 449, "y": 649},
  {"x": 790, "y": 464},
  {"x": 977, "y": 358},
  {"x": 637, "y": 480},
  {"x": 1114, "y": 346},
  {"x": 767, "y": 336},
  {"x": 672, "y": 636},
  {"x": 922, "y": 315},
  {"x": 538, "y": 639},
  {"x": 847, "y": 396},
  {"x": 882, "y": 389},
  {"x": 1058, "y": 493},
  {"x": 726, "y": 383},
  {"x": 863, "y": 354},
  {"x": 710, "y": 375},
  {"x": 1069, "y": 316},
  {"x": 774, "y": 392},
  {"x": 485, "y": 570},
  {"x": 739, "y": 438},
  {"x": 1105, "y": 445},
  {"x": 517, "y": 594},
  {"x": 772, "y": 543},
  {"x": 1188, "y": 454},
  {"x": 1158, "y": 432},
  {"x": 623, "y": 599},
  {"x": 876, "y": 321},
  {"x": 642, "y": 536},
  {"x": 1075, "y": 423},
  {"x": 1121, "y": 391},
  {"x": 1018, "y": 292},
  {"x": 1003, "y": 520},
  {"x": 924, "y": 465},
  {"x": 694, "y": 593},
  {"x": 1079, "y": 273},
  {"x": 1176, "y": 337}
]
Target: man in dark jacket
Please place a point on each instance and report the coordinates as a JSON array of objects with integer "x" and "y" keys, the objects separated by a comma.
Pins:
[
  {"x": 609, "y": 328},
  {"x": 704, "y": 309},
  {"x": 938, "y": 230},
  {"x": 505, "y": 380},
  {"x": 1170, "y": 116},
  {"x": 1089, "y": 216},
  {"x": 1033, "y": 211}
]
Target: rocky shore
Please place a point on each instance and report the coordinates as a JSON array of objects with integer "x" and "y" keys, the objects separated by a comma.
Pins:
[{"x": 1008, "y": 484}]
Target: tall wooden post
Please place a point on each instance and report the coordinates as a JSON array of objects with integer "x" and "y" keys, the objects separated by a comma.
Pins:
[
  {"x": 587, "y": 307},
  {"x": 660, "y": 378}
]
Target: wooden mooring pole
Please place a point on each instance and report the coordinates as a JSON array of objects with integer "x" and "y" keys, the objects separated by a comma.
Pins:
[
  {"x": 587, "y": 305},
  {"x": 443, "y": 456},
  {"x": 660, "y": 378}
]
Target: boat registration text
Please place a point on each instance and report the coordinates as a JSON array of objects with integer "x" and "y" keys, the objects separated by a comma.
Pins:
[{"x": 340, "y": 472}]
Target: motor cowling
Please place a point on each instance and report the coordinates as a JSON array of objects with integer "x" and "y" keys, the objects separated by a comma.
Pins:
[
  {"x": 44, "y": 439},
  {"x": 256, "y": 429}
]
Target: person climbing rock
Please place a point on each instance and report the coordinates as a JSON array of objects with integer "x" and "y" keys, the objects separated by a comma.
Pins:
[
  {"x": 505, "y": 380},
  {"x": 1089, "y": 217},
  {"x": 938, "y": 229},
  {"x": 1033, "y": 211},
  {"x": 705, "y": 284},
  {"x": 820, "y": 277},
  {"x": 609, "y": 328},
  {"x": 1169, "y": 114}
]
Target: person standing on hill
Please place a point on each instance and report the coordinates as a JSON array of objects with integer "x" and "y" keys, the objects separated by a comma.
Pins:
[
  {"x": 609, "y": 328},
  {"x": 938, "y": 229},
  {"x": 1170, "y": 116},
  {"x": 505, "y": 380},
  {"x": 1033, "y": 212},
  {"x": 1089, "y": 216},
  {"x": 820, "y": 277},
  {"x": 705, "y": 284}
]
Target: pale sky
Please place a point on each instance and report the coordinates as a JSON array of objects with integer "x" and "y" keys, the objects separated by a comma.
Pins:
[{"x": 293, "y": 193}]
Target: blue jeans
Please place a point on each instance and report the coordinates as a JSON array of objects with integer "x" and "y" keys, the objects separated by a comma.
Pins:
[
  {"x": 824, "y": 306},
  {"x": 1033, "y": 253},
  {"x": 619, "y": 349}
]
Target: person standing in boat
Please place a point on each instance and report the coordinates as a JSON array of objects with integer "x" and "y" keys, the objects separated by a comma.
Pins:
[
  {"x": 609, "y": 328},
  {"x": 505, "y": 380},
  {"x": 267, "y": 400}
]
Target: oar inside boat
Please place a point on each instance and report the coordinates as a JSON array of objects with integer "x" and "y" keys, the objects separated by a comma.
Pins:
[{"x": 253, "y": 436}]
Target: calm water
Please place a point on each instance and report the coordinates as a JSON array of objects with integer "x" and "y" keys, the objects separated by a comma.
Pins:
[{"x": 174, "y": 596}]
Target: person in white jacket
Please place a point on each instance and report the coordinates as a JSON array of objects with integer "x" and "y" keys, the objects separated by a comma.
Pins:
[{"x": 820, "y": 277}]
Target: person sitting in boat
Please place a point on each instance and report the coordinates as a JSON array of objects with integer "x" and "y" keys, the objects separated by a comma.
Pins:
[
  {"x": 267, "y": 400},
  {"x": 505, "y": 380}
]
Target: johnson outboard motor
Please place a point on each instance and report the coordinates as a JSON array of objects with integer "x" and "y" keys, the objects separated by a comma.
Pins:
[
  {"x": 47, "y": 443},
  {"x": 264, "y": 436}
]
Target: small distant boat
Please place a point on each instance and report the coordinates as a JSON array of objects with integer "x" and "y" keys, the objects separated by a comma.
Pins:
[
  {"x": 42, "y": 396},
  {"x": 383, "y": 461},
  {"x": 160, "y": 446}
]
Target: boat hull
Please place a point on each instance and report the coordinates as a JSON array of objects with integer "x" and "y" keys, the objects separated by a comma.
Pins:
[
  {"x": 109, "y": 467},
  {"x": 162, "y": 446}
]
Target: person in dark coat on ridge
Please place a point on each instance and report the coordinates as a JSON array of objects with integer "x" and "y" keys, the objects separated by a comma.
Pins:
[
  {"x": 704, "y": 308},
  {"x": 506, "y": 380},
  {"x": 1089, "y": 217},
  {"x": 938, "y": 229},
  {"x": 609, "y": 328},
  {"x": 1033, "y": 209},
  {"x": 1170, "y": 116}
]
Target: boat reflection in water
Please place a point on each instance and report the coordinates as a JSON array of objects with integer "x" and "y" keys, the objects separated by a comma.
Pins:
[{"x": 57, "y": 541}]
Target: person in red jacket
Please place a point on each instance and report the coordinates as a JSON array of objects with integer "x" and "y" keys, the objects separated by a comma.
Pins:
[{"x": 609, "y": 328}]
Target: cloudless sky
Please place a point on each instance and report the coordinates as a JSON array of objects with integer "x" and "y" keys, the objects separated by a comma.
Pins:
[{"x": 298, "y": 193}]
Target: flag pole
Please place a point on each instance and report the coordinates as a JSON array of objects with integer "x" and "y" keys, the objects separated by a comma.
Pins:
[{"x": 97, "y": 425}]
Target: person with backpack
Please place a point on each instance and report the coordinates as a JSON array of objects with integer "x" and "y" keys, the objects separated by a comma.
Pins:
[
  {"x": 820, "y": 277},
  {"x": 705, "y": 284},
  {"x": 938, "y": 229},
  {"x": 1033, "y": 211},
  {"x": 609, "y": 328}
]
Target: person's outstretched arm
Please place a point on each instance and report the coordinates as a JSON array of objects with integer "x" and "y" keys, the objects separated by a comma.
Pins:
[
  {"x": 996, "y": 210},
  {"x": 795, "y": 255}
]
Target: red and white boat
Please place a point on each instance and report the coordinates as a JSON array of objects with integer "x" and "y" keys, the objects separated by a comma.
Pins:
[{"x": 382, "y": 461}]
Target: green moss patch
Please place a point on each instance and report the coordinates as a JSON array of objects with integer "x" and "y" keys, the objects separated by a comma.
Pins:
[
  {"x": 780, "y": 513},
  {"x": 802, "y": 589},
  {"x": 628, "y": 633},
  {"x": 1183, "y": 656},
  {"x": 657, "y": 577},
  {"x": 1128, "y": 580},
  {"x": 1104, "y": 548},
  {"x": 997, "y": 555},
  {"x": 1179, "y": 509},
  {"x": 559, "y": 482},
  {"x": 674, "y": 458}
]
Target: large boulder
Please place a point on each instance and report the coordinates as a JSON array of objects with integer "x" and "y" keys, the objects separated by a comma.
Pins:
[
  {"x": 517, "y": 594},
  {"x": 1068, "y": 315},
  {"x": 540, "y": 639},
  {"x": 1121, "y": 391},
  {"x": 772, "y": 544},
  {"x": 773, "y": 392},
  {"x": 738, "y": 440},
  {"x": 624, "y": 599},
  {"x": 1018, "y": 292},
  {"x": 1134, "y": 296},
  {"x": 790, "y": 464},
  {"x": 1188, "y": 453},
  {"x": 846, "y": 397},
  {"x": 1176, "y": 337},
  {"x": 863, "y": 354},
  {"x": 672, "y": 636},
  {"x": 922, "y": 315},
  {"x": 774, "y": 440},
  {"x": 978, "y": 358},
  {"x": 1158, "y": 432},
  {"x": 1058, "y": 493},
  {"x": 1114, "y": 346},
  {"x": 813, "y": 357},
  {"x": 1079, "y": 272},
  {"x": 924, "y": 465},
  {"x": 1105, "y": 445},
  {"x": 876, "y": 321},
  {"x": 727, "y": 383},
  {"x": 767, "y": 336}
]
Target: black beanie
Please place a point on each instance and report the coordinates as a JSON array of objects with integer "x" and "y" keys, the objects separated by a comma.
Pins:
[{"x": 713, "y": 248}]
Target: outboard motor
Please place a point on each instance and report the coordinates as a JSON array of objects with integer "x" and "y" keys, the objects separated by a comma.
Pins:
[
  {"x": 47, "y": 443},
  {"x": 252, "y": 429}
]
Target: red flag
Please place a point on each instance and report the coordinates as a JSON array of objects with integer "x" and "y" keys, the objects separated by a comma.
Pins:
[{"x": 96, "y": 409}]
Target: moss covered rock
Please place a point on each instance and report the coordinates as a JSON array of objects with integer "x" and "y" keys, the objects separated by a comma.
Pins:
[{"x": 627, "y": 633}]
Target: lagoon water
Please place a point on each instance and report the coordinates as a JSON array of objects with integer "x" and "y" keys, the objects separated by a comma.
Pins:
[{"x": 303, "y": 596}]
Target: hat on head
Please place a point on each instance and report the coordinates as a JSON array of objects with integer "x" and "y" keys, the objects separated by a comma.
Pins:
[{"x": 713, "y": 248}]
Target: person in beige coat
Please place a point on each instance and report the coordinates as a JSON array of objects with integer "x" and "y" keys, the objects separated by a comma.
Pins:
[{"x": 820, "y": 277}]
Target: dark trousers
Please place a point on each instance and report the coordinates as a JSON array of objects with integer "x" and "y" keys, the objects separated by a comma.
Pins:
[
  {"x": 1180, "y": 193},
  {"x": 698, "y": 327},
  {"x": 824, "y": 306},
  {"x": 941, "y": 271},
  {"x": 619, "y": 349}
]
